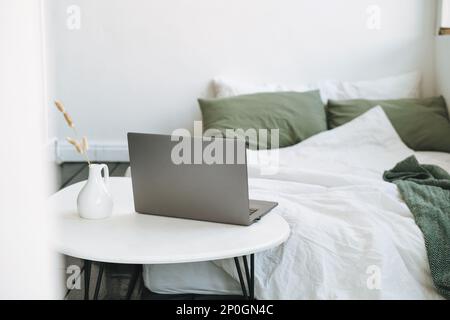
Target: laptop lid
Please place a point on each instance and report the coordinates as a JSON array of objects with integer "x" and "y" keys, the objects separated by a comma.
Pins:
[{"x": 183, "y": 177}]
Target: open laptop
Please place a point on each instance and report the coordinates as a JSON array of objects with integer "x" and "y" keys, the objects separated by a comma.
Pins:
[{"x": 191, "y": 189}]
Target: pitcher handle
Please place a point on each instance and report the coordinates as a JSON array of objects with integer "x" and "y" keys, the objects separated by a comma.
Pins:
[{"x": 105, "y": 169}]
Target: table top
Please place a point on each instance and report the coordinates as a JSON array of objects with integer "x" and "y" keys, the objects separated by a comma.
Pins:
[{"x": 130, "y": 237}]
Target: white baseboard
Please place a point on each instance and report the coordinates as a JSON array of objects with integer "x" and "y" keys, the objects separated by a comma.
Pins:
[
  {"x": 50, "y": 149},
  {"x": 98, "y": 152}
]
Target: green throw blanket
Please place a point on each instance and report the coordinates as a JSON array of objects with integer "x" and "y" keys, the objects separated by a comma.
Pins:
[{"x": 426, "y": 191}]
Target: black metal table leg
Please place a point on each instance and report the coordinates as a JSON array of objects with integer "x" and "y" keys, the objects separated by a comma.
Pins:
[
  {"x": 87, "y": 278},
  {"x": 249, "y": 274},
  {"x": 133, "y": 281},
  {"x": 99, "y": 280},
  {"x": 241, "y": 278},
  {"x": 252, "y": 276}
]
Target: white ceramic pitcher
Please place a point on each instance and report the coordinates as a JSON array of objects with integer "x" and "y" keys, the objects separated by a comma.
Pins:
[{"x": 94, "y": 200}]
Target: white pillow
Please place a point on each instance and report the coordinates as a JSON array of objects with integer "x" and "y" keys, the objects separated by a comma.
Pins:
[
  {"x": 224, "y": 88},
  {"x": 398, "y": 87}
]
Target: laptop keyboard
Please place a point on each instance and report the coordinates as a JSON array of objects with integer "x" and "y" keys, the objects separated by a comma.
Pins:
[{"x": 253, "y": 210}]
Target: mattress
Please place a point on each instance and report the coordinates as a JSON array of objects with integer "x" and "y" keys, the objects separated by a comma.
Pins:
[{"x": 208, "y": 278}]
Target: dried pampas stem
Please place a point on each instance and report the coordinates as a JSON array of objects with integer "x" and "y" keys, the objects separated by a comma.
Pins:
[
  {"x": 80, "y": 145},
  {"x": 76, "y": 144},
  {"x": 85, "y": 144},
  {"x": 59, "y": 106},
  {"x": 69, "y": 120}
]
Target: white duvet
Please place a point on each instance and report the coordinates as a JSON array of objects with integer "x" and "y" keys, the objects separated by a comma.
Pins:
[{"x": 352, "y": 237}]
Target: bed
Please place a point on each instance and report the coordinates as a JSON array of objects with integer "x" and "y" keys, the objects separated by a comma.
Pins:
[{"x": 352, "y": 236}]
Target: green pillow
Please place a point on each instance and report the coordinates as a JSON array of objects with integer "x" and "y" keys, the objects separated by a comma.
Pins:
[
  {"x": 297, "y": 115},
  {"x": 423, "y": 124}
]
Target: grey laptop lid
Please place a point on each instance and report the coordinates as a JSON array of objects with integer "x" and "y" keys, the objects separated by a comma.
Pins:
[{"x": 212, "y": 192}]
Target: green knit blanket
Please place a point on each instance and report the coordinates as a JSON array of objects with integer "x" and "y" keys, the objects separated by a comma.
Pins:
[{"x": 426, "y": 191}]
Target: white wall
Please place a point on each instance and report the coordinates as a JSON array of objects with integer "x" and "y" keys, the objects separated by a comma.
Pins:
[
  {"x": 443, "y": 64},
  {"x": 27, "y": 267},
  {"x": 443, "y": 67},
  {"x": 139, "y": 65},
  {"x": 445, "y": 14}
]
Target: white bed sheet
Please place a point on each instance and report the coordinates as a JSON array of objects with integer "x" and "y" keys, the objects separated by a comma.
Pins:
[
  {"x": 198, "y": 278},
  {"x": 207, "y": 278},
  {"x": 345, "y": 221}
]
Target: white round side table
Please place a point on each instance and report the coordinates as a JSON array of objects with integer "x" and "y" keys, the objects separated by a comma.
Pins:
[{"x": 128, "y": 237}]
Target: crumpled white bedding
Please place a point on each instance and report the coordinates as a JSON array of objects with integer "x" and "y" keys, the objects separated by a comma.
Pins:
[
  {"x": 352, "y": 237},
  {"x": 347, "y": 224}
]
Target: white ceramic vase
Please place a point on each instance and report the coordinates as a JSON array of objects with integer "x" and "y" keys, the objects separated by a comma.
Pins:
[{"x": 94, "y": 200}]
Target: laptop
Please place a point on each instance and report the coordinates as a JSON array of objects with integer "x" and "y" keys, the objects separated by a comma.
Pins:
[{"x": 192, "y": 189}]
